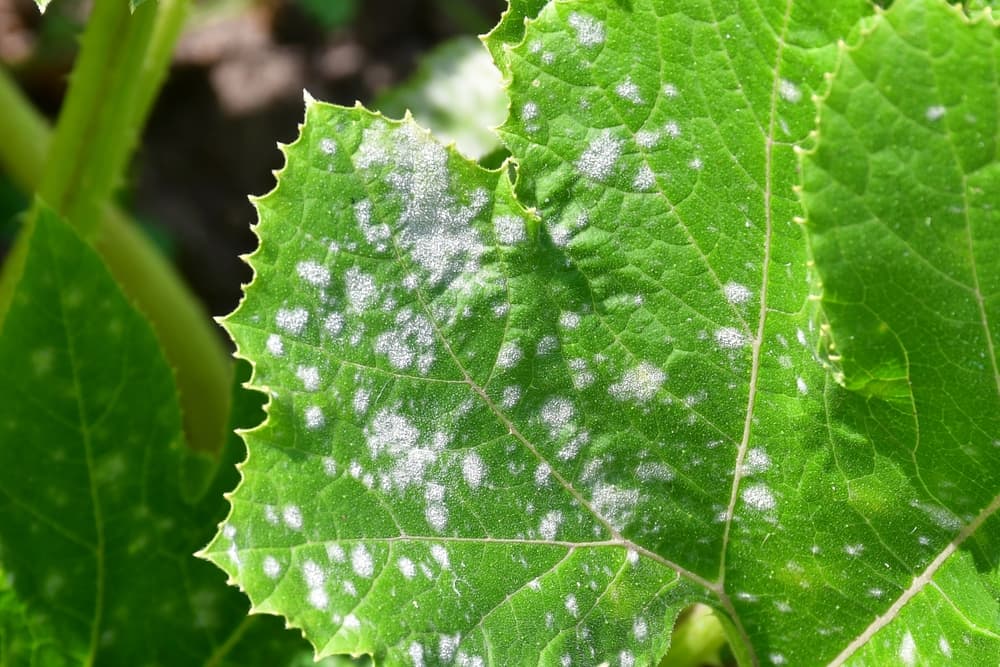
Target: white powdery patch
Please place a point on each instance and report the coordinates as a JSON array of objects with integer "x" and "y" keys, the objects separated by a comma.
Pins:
[
  {"x": 509, "y": 229},
  {"x": 406, "y": 567},
  {"x": 309, "y": 376},
  {"x": 351, "y": 622},
  {"x": 328, "y": 146},
  {"x": 314, "y": 417},
  {"x": 330, "y": 466},
  {"x": 361, "y": 289},
  {"x": 334, "y": 323},
  {"x": 542, "y": 473},
  {"x": 627, "y": 90},
  {"x": 571, "y": 605},
  {"x": 626, "y": 659},
  {"x": 293, "y": 321},
  {"x": 942, "y": 517},
  {"x": 789, "y": 91},
  {"x": 292, "y": 517},
  {"x": 550, "y": 524},
  {"x": 935, "y": 112},
  {"x": 647, "y": 138},
  {"x": 757, "y": 461},
  {"x": 944, "y": 646},
  {"x": 557, "y": 413},
  {"x": 589, "y": 31},
  {"x": 511, "y": 396},
  {"x": 447, "y": 646},
  {"x": 546, "y": 344},
  {"x": 272, "y": 568},
  {"x": 639, "y": 384},
  {"x": 362, "y": 562},
  {"x": 313, "y": 273},
  {"x": 759, "y": 497},
  {"x": 644, "y": 178},
  {"x": 640, "y": 629},
  {"x": 315, "y": 577},
  {"x": 394, "y": 435},
  {"x": 361, "y": 398},
  {"x": 417, "y": 654},
  {"x": 582, "y": 376},
  {"x": 335, "y": 553},
  {"x": 569, "y": 320},
  {"x": 854, "y": 550},
  {"x": 435, "y": 227},
  {"x": 649, "y": 471},
  {"x": 440, "y": 555},
  {"x": 275, "y": 345},
  {"x": 436, "y": 513},
  {"x": 409, "y": 343},
  {"x": 730, "y": 338},
  {"x": 600, "y": 157},
  {"x": 672, "y": 129},
  {"x": 736, "y": 293},
  {"x": 509, "y": 356},
  {"x": 473, "y": 470},
  {"x": 375, "y": 234},
  {"x": 908, "y": 650},
  {"x": 529, "y": 111},
  {"x": 614, "y": 504}
]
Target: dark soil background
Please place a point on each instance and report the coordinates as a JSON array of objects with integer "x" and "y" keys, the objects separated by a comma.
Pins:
[{"x": 234, "y": 91}]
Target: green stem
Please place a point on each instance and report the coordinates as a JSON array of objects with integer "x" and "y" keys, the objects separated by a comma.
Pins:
[{"x": 190, "y": 342}]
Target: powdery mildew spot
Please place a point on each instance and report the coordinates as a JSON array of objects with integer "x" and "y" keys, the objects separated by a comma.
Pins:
[
  {"x": 328, "y": 146},
  {"x": 406, "y": 567},
  {"x": 361, "y": 289},
  {"x": 509, "y": 229},
  {"x": 334, "y": 323},
  {"x": 644, "y": 178},
  {"x": 670, "y": 90},
  {"x": 627, "y": 90},
  {"x": 648, "y": 471},
  {"x": 550, "y": 525},
  {"x": 315, "y": 578},
  {"x": 309, "y": 376},
  {"x": 647, "y": 138},
  {"x": 314, "y": 417},
  {"x": 293, "y": 321},
  {"x": 626, "y": 659},
  {"x": 614, "y": 504},
  {"x": 329, "y": 466},
  {"x": 362, "y": 562},
  {"x": 511, "y": 396},
  {"x": 759, "y": 497},
  {"x": 640, "y": 630},
  {"x": 672, "y": 128},
  {"x": 292, "y": 516},
  {"x": 509, "y": 356},
  {"x": 789, "y": 91},
  {"x": 730, "y": 338},
  {"x": 529, "y": 111},
  {"x": 569, "y": 320},
  {"x": 944, "y": 646},
  {"x": 335, "y": 553},
  {"x": 639, "y": 384},
  {"x": 935, "y": 112},
  {"x": 571, "y": 605},
  {"x": 582, "y": 376},
  {"x": 589, "y": 31},
  {"x": 272, "y": 568},
  {"x": 801, "y": 385},
  {"x": 542, "y": 473},
  {"x": 275, "y": 345},
  {"x": 410, "y": 342},
  {"x": 757, "y": 461},
  {"x": 440, "y": 556},
  {"x": 473, "y": 470},
  {"x": 908, "y": 650},
  {"x": 313, "y": 273},
  {"x": 598, "y": 160},
  {"x": 436, "y": 513},
  {"x": 417, "y": 654},
  {"x": 736, "y": 293},
  {"x": 557, "y": 414},
  {"x": 393, "y": 434}
]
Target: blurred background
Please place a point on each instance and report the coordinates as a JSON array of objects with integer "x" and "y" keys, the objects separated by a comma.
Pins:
[{"x": 235, "y": 89}]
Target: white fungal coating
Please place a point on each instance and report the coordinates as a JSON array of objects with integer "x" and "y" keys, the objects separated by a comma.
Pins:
[
  {"x": 644, "y": 178},
  {"x": 271, "y": 566},
  {"x": 361, "y": 289},
  {"x": 510, "y": 354},
  {"x": 440, "y": 556},
  {"x": 759, "y": 497},
  {"x": 328, "y": 145},
  {"x": 292, "y": 516},
  {"x": 569, "y": 320},
  {"x": 406, "y": 567},
  {"x": 334, "y": 323},
  {"x": 314, "y": 417},
  {"x": 473, "y": 469},
  {"x": 589, "y": 31},
  {"x": 736, "y": 293},
  {"x": 550, "y": 525},
  {"x": 627, "y": 90},
  {"x": 557, "y": 414},
  {"x": 313, "y": 273},
  {"x": 730, "y": 338},
  {"x": 789, "y": 91},
  {"x": 362, "y": 562},
  {"x": 511, "y": 396},
  {"x": 509, "y": 229},
  {"x": 293, "y": 321},
  {"x": 639, "y": 384},
  {"x": 309, "y": 376},
  {"x": 935, "y": 112},
  {"x": 275, "y": 345},
  {"x": 600, "y": 157}
]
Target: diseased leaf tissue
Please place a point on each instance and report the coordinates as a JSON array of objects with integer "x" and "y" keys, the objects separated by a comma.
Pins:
[{"x": 528, "y": 423}]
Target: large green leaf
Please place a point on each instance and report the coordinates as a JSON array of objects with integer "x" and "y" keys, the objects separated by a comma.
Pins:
[
  {"x": 95, "y": 535},
  {"x": 904, "y": 223},
  {"x": 530, "y": 429}
]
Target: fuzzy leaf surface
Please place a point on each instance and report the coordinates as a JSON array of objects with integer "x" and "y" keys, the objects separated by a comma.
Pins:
[{"x": 563, "y": 423}]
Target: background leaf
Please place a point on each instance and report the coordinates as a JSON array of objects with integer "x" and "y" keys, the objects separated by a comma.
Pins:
[
  {"x": 487, "y": 425},
  {"x": 94, "y": 534}
]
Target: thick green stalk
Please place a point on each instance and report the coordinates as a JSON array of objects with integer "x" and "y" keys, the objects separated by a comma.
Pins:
[{"x": 189, "y": 340}]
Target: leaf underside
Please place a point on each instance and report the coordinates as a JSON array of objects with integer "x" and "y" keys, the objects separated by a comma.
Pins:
[{"x": 528, "y": 423}]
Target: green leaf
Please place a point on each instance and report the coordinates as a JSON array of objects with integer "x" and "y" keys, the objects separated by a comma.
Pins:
[
  {"x": 457, "y": 94},
  {"x": 913, "y": 198},
  {"x": 94, "y": 534},
  {"x": 565, "y": 414}
]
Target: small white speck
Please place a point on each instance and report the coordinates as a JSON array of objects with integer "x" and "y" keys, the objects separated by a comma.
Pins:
[
  {"x": 800, "y": 336},
  {"x": 908, "y": 650},
  {"x": 801, "y": 385},
  {"x": 730, "y": 338},
  {"x": 361, "y": 399},
  {"x": 473, "y": 469},
  {"x": 935, "y": 112},
  {"x": 759, "y": 497},
  {"x": 318, "y": 598},
  {"x": 672, "y": 129},
  {"x": 362, "y": 562},
  {"x": 640, "y": 629},
  {"x": 329, "y": 466},
  {"x": 653, "y": 471},
  {"x": 314, "y": 273},
  {"x": 275, "y": 346},
  {"x": 627, "y": 90},
  {"x": 944, "y": 646},
  {"x": 854, "y": 549},
  {"x": 292, "y": 516},
  {"x": 529, "y": 111},
  {"x": 757, "y": 461},
  {"x": 589, "y": 31},
  {"x": 599, "y": 159},
  {"x": 328, "y": 146},
  {"x": 737, "y": 294},
  {"x": 406, "y": 567},
  {"x": 542, "y": 473},
  {"x": 293, "y": 321},
  {"x": 272, "y": 568},
  {"x": 546, "y": 344},
  {"x": 313, "y": 574},
  {"x": 351, "y": 622},
  {"x": 670, "y": 90},
  {"x": 569, "y": 320},
  {"x": 314, "y": 417},
  {"x": 696, "y": 164},
  {"x": 777, "y": 659},
  {"x": 626, "y": 659},
  {"x": 789, "y": 91}
]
